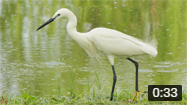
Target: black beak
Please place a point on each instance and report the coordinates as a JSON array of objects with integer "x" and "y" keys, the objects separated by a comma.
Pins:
[{"x": 47, "y": 22}]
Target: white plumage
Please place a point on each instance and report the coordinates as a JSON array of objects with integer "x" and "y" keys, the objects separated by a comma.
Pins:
[{"x": 111, "y": 42}]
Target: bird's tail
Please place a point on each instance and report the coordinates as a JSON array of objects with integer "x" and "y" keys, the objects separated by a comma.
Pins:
[{"x": 151, "y": 47}]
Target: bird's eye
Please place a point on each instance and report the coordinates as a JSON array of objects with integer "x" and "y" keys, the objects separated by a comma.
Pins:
[{"x": 58, "y": 14}]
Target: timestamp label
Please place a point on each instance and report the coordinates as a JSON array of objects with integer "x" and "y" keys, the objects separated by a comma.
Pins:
[{"x": 165, "y": 93}]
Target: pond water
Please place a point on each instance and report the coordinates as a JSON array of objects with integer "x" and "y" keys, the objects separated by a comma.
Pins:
[{"x": 42, "y": 61}]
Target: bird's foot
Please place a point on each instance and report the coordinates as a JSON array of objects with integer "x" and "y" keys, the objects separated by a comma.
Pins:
[{"x": 137, "y": 95}]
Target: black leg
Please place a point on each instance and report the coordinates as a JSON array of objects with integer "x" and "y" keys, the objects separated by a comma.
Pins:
[
  {"x": 136, "y": 84},
  {"x": 136, "y": 65},
  {"x": 114, "y": 82}
]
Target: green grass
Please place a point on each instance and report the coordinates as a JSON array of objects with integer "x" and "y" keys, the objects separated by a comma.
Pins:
[{"x": 85, "y": 98}]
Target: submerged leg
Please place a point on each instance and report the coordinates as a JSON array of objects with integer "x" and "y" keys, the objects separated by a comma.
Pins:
[
  {"x": 136, "y": 83},
  {"x": 114, "y": 82}
]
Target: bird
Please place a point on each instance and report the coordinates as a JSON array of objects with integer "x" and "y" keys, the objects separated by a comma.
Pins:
[{"x": 111, "y": 42}]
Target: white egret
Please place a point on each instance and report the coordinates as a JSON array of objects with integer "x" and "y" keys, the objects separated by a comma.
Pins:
[{"x": 111, "y": 42}]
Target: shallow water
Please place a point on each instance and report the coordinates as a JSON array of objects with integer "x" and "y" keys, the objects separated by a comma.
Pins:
[{"x": 41, "y": 61}]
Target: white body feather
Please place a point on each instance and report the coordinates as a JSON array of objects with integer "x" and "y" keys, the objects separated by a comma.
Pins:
[{"x": 111, "y": 42}]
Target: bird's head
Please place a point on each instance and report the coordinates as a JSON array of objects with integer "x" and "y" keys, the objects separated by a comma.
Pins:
[{"x": 60, "y": 13}]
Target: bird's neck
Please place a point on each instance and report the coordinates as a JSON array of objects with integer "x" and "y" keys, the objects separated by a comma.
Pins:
[{"x": 71, "y": 26}]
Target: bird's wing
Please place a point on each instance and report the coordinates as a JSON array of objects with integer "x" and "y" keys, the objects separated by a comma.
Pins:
[
  {"x": 104, "y": 37},
  {"x": 110, "y": 33}
]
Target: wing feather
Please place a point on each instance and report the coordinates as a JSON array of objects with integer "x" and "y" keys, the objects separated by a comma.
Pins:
[{"x": 117, "y": 43}]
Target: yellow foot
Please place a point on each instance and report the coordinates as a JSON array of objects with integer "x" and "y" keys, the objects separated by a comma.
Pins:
[{"x": 137, "y": 95}]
